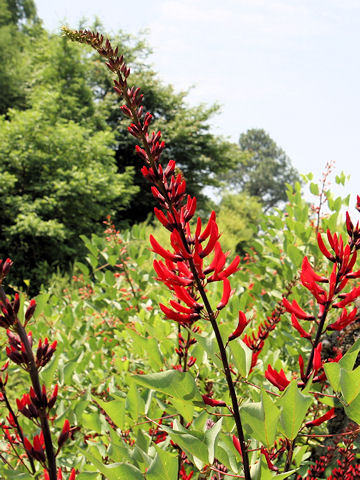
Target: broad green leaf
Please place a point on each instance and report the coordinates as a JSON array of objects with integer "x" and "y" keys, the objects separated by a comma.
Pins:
[
  {"x": 241, "y": 356},
  {"x": 186, "y": 409},
  {"x": 314, "y": 188},
  {"x": 353, "y": 410},
  {"x": 115, "y": 409},
  {"x": 348, "y": 360},
  {"x": 134, "y": 404},
  {"x": 332, "y": 371},
  {"x": 350, "y": 383},
  {"x": 171, "y": 382},
  {"x": 294, "y": 407},
  {"x": 211, "y": 436},
  {"x": 210, "y": 346},
  {"x": 295, "y": 255},
  {"x": 115, "y": 471},
  {"x": 91, "y": 421},
  {"x": 164, "y": 466},
  {"x": 262, "y": 418},
  {"x": 192, "y": 445}
]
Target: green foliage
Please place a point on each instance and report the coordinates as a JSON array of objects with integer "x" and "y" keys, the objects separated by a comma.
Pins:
[
  {"x": 58, "y": 179},
  {"x": 239, "y": 217}
]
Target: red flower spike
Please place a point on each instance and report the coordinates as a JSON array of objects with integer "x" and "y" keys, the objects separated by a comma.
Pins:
[
  {"x": 317, "y": 363},
  {"x": 53, "y": 397},
  {"x": 207, "y": 230},
  {"x": 236, "y": 443},
  {"x": 177, "y": 317},
  {"x": 178, "y": 245},
  {"x": 65, "y": 433},
  {"x": 308, "y": 275},
  {"x": 30, "y": 310},
  {"x": 157, "y": 248},
  {"x": 323, "y": 249},
  {"x": 27, "y": 445},
  {"x": 302, "y": 369},
  {"x": 72, "y": 474},
  {"x": 214, "y": 236},
  {"x": 318, "y": 421},
  {"x": 183, "y": 294},
  {"x": 243, "y": 321},
  {"x": 213, "y": 403},
  {"x": 298, "y": 327},
  {"x": 278, "y": 379},
  {"x": 232, "y": 268},
  {"x": 226, "y": 294},
  {"x": 270, "y": 465},
  {"x": 349, "y": 297},
  {"x": 344, "y": 320},
  {"x": 180, "y": 308},
  {"x": 295, "y": 308}
]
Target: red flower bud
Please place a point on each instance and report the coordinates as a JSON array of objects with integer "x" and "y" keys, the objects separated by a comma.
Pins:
[
  {"x": 213, "y": 403},
  {"x": 243, "y": 321}
]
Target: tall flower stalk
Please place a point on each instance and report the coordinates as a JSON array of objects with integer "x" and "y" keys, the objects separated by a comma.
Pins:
[
  {"x": 37, "y": 404},
  {"x": 185, "y": 270}
]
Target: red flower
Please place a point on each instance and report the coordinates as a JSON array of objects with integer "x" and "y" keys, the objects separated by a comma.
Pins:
[
  {"x": 243, "y": 321},
  {"x": 213, "y": 403},
  {"x": 318, "y": 421},
  {"x": 278, "y": 379},
  {"x": 296, "y": 310},
  {"x": 349, "y": 297},
  {"x": 344, "y": 320},
  {"x": 299, "y": 328}
]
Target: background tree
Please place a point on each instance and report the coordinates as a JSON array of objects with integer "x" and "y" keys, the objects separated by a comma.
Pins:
[
  {"x": 264, "y": 170},
  {"x": 238, "y": 216},
  {"x": 16, "y": 16},
  {"x": 59, "y": 180}
]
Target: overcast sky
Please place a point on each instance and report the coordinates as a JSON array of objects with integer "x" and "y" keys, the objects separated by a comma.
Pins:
[{"x": 291, "y": 67}]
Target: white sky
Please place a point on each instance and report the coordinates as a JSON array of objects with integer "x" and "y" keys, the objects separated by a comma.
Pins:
[{"x": 291, "y": 67}]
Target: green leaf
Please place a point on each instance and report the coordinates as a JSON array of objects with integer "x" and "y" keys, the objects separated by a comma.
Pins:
[
  {"x": 332, "y": 371},
  {"x": 353, "y": 410},
  {"x": 164, "y": 466},
  {"x": 115, "y": 471},
  {"x": 294, "y": 407},
  {"x": 241, "y": 356},
  {"x": 114, "y": 409},
  {"x": 314, "y": 188},
  {"x": 134, "y": 404},
  {"x": 295, "y": 254},
  {"x": 348, "y": 360},
  {"x": 191, "y": 443},
  {"x": 262, "y": 419},
  {"x": 173, "y": 383},
  {"x": 211, "y": 436},
  {"x": 91, "y": 421},
  {"x": 350, "y": 383}
]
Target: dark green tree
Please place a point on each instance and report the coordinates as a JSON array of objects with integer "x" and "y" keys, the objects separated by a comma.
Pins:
[
  {"x": 13, "y": 42},
  {"x": 265, "y": 169},
  {"x": 59, "y": 180}
]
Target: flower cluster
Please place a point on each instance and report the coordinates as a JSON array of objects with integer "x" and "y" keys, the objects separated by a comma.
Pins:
[
  {"x": 196, "y": 258},
  {"x": 342, "y": 255},
  {"x": 37, "y": 403}
]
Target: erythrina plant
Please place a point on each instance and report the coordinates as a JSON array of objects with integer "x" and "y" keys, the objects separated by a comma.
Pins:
[
  {"x": 37, "y": 403},
  {"x": 207, "y": 428},
  {"x": 187, "y": 271}
]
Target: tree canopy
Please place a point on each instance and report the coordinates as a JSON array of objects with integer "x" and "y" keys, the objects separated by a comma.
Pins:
[{"x": 265, "y": 169}]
